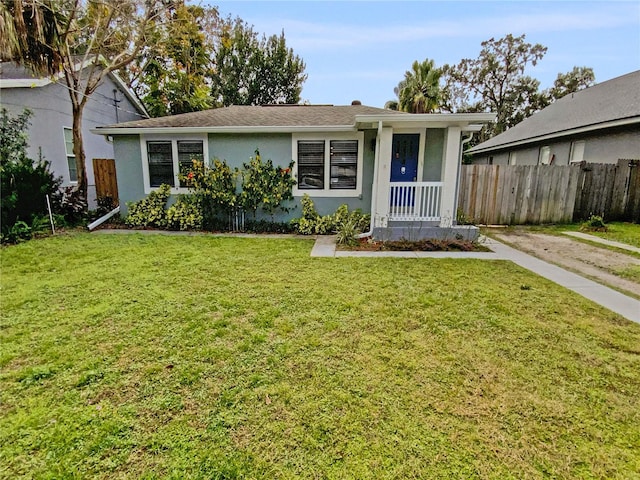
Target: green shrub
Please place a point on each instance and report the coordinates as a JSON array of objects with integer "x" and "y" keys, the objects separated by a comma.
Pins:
[
  {"x": 150, "y": 211},
  {"x": 24, "y": 184},
  {"x": 346, "y": 234},
  {"x": 266, "y": 186},
  {"x": 216, "y": 188},
  {"x": 185, "y": 213},
  {"x": 595, "y": 223},
  {"x": 18, "y": 232},
  {"x": 311, "y": 223}
]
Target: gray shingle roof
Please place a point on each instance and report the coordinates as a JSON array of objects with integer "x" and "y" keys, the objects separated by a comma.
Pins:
[
  {"x": 263, "y": 116},
  {"x": 13, "y": 71},
  {"x": 615, "y": 99}
]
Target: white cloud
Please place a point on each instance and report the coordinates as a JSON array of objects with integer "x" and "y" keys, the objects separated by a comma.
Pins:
[{"x": 310, "y": 36}]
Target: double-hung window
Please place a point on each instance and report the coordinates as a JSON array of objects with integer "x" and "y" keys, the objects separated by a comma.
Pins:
[
  {"x": 164, "y": 160},
  {"x": 71, "y": 158},
  {"x": 328, "y": 165}
]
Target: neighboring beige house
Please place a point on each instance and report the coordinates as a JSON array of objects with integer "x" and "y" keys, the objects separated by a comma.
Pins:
[
  {"x": 600, "y": 124},
  {"x": 50, "y": 130}
]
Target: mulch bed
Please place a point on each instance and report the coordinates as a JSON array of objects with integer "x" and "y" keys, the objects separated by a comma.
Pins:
[{"x": 430, "y": 245}]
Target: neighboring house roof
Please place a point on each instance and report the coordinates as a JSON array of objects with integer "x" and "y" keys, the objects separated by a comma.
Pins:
[
  {"x": 280, "y": 118},
  {"x": 609, "y": 104},
  {"x": 13, "y": 75}
]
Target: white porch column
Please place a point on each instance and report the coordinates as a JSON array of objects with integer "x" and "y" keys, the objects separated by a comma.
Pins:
[
  {"x": 450, "y": 168},
  {"x": 381, "y": 208}
]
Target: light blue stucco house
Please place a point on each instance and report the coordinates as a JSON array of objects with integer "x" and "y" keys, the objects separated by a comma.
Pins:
[
  {"x": 402, "y": 168},
  {"x": 50, "y": 131}
]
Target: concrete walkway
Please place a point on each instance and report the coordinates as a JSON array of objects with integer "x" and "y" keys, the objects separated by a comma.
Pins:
[
  {"x": 604, "y": 296},
  {"x": 593, "y": 238}
]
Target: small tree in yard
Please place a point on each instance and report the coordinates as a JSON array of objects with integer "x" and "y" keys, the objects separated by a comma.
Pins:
[{"x": 264, "y": 184}]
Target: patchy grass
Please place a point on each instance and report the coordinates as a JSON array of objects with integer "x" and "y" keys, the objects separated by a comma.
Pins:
[
  {"x": 126, "y": 356},
  {"x": 622, "y": 232}
]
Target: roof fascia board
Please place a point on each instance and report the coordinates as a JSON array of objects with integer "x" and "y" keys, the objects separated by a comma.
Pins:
[
  {"x": 433, "y": 119},
  {"x": 24, "y": 82},
  {"x": 42, "y": 81},
  {"x": 559, "y": 135},
  {"x": 232, "y": 129}
]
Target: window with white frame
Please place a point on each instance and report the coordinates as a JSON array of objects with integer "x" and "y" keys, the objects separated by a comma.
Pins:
[
  {"x": 545, "y": 155},
  {"x": 71, "y": 158},
  {"x": 344, "y": 164},
  {"x": 513, "y": 158},
  {"x": 328, "y": 165},
  {"x": 577, "y": 151},
  {"x": 311, "y": 164},
  {"x": 164, "y": 160}
]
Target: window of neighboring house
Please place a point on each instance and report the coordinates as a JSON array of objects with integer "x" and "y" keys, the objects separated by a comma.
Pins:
[
  {"x": 577, "y": 151},
  {"x": 513, "y": 158},
  {"x": 311, "y": 164},
  {"x": 71, "y": 158},
  {"x": 490, "y": 161},
  {"x": 545, "y": 155},
  {"x": 344, "y": 164},
  {"x": 166, "y": 159}
]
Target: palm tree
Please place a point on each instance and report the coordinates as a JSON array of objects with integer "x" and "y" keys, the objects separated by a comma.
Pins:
[{"x": 419, "y": 92}]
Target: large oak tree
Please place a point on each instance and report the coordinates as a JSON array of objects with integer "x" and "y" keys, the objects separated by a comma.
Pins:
[{"x": 83, "y": 40}]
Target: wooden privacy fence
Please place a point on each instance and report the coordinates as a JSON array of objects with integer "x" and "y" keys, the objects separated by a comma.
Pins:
[
  {"x": 534, "y": 194},
  {"x": 104, "y": 172}
]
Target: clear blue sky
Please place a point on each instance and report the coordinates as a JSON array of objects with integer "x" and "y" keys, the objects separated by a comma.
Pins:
[{"x": 361, "y": 49}]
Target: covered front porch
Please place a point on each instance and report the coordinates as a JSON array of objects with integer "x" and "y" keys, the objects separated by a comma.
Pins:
[{"x": 416, "y": 170}]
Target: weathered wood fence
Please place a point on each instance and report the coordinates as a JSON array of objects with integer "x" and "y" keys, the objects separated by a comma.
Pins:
[
  {"x": 104, "y": 172},
  {"x": 535, "y": 194}
]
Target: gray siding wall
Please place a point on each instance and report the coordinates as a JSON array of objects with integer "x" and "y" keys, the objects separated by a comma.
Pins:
[
  {"x": 51, "y": 109},
  {"x": 611, "y": 148},
  {"x": 600, "y": 148}
]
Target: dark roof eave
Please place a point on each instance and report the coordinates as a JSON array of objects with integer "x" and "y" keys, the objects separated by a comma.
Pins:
[{"x": 556, "y": 135}]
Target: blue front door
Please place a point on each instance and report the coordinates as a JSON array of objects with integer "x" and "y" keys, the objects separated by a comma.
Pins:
[{"x": 404, "y": 168}]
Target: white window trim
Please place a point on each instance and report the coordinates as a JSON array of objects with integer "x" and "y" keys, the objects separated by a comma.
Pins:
[
  {"x": 64, "y": 140},
  {"x": 577, "y": 146},
  {"x": 327, "y": 137},
  {"x": 174, "y": 139},
  {"x": 513, "y": 158},
  {"x": 541, "y": 155}
]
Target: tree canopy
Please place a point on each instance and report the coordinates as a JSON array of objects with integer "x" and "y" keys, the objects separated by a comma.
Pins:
[
  {"x": 171, "y": 74},
  {"x": 85, "y": 40},
  {"x": 249, "y": 70},
  {"x": 496, "y": 82}
]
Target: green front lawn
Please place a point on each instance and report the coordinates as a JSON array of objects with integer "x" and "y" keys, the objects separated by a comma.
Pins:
[{"x": 127, "y": 356}]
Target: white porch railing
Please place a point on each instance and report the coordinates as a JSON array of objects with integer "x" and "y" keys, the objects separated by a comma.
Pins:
[{"x": 409, "y": 201}]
